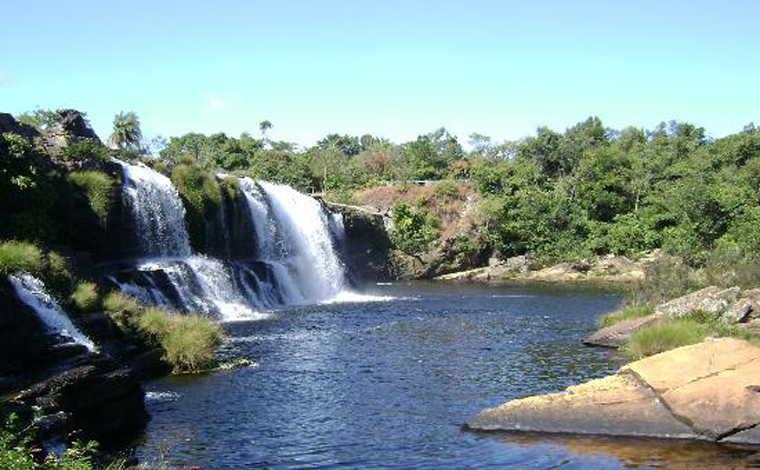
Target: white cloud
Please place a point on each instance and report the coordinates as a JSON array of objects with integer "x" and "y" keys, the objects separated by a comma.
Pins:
[
  {"x": 215, "y": 104},
  {"x": 5, "y": 80}
]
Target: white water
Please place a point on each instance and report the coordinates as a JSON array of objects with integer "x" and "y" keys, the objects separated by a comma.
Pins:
[
  {"x": 157, "y": 211},
  {"x": 307, "y": 241},
  {"x": 295, "y": 259},
  {"x": 32, "y": 292}
]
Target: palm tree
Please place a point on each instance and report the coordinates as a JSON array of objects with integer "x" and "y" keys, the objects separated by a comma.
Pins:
[
  {"x": 264, "y": 126},
  {"x": 126, "y": 130}
]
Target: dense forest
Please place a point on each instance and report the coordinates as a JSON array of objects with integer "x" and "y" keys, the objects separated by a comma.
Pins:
[{"x": 588, "y": 190}]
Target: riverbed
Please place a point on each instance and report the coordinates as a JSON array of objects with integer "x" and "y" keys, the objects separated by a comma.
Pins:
[{"x": 388, "y": 380}]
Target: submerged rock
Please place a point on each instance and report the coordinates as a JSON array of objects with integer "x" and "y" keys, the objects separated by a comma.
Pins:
[{"x": 707, "y": 391}]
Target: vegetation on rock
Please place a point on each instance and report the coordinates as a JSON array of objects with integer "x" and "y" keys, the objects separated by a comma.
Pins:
[{"x": 98, "y": 187}]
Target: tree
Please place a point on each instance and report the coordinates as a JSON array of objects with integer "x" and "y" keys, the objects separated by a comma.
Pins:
[
  {"x": 264, "y": 126},
  {"x": 126, "y": 131}
]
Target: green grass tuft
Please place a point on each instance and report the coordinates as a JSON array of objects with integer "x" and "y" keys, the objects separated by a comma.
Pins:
[
  {"x": 664, "y": 337},
  {"x": 85, "y": 297},
  {"x": 19, "y": 256},
  {"x": 120, "y": 309},
  {"x": 624, "y": 314},
  {"x": 99, "y": 189}
]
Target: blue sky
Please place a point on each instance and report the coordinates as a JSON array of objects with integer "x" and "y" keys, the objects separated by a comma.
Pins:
[{"x": 390, "y": 68}]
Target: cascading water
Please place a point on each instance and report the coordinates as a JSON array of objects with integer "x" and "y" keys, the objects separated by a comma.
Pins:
[
  {"x": 306, "y": 241},
  {"x": 157, "y": 210},
  {"x": 284, "y": 244},
  {"x": 32, "y": 292}
]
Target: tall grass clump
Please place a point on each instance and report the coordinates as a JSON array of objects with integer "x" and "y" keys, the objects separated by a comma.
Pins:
[
  {"x": 201, "y": 195},
  {"x": 665, "y": 336},
  {"x": 98, "y": 187},
  {"x": 18, "y": 256},
  {"x": 624, "y": 314},
  {"x": 85, "y": 297},
  {"x": 188, "y": 341}
]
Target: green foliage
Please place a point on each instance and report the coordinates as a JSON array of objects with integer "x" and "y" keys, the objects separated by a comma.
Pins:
[
  {"x": 16, "y": 451},
  {"x": 41, "y": 119},
  {"x": 19, "y": 257},
  {"x": 663, "y": 337},
  {"x": 340, "y": 196},
  {"x": 230, "y": 187},
  {"x": 671, "y": 334},
  {"x": 99, "y": 189},
  {"x": 188, "y": 341},
  {"x": 121, "y": 309},
  {"x": 446, "y": 189},
  {"x": 414, "y": 229},
  {"x": 201, "y": 195},
  {"x": 624, "y": 314},
  {"x": 85, "y": 297},
  {"x": 86, "y": 151},
  {"x": 126, "y": 131}
]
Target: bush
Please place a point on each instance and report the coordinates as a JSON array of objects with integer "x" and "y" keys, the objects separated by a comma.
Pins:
[
  {"x": 230, "y": 187},
  {"x": 624, "y": 314},
  {"x": 664, "y": 337},
  {"x": 16, "y": 452},
  {"x": 86, "y": 150},
  {"x": 19, "y": 256},
  {"x": 202, "y": 197},
  {"x": 98, "y": 187},
  {"x": 446, "y": 190},
  {"x": 414, "y": 229},
  {"x": 85, "y": 297}
]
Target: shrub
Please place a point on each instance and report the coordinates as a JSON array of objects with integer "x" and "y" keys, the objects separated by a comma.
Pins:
[
  {"x": 201, "y": 195},
  {"x": 624, "y": 314},
  {"x": 414, "y": 229},
  {"x": 230, "y": 187},
  {"x": 98, "y": 187},
  {"x": 85, "y": 297},
  {"x": 19, "y": 256},
  {"x": 446, "y": 190},
  {"x": 664, "y": 337},
  {"x": 86, "y": 150}
]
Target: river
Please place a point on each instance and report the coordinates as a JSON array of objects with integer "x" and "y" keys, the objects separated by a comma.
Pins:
[{"x": 389, "y": 383}]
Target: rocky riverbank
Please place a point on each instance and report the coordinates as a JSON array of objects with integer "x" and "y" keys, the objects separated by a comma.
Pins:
[{"x": 713, "y": 396}]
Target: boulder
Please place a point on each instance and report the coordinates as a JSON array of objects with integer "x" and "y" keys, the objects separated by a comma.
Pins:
[
  {"x": 739, "y": 312},
  {"x": 706, "y": 391},
  {"x": 710, "y": 299},
  {"x": 614, "y": 405},
  {"x": 615, "y": 336}
]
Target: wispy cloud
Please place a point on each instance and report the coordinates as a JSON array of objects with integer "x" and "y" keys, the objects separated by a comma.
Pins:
[
  {"x": 5, "y": 80},
  {"x": 215, "y": 104}
]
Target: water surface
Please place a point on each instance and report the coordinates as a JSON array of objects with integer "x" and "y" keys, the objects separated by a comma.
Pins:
[{"x": 389, "y": 384}]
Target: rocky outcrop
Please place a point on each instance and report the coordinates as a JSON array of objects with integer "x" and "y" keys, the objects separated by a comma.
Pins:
[
  {"x": 733, "y": 306},
  {"x": 9, "y": 124},
  {"x": 707, "y": 391},
  {"x": 367, "y": 246},
  {"x": 617, "y": 269},
  {"x": 71, "y": 128}
]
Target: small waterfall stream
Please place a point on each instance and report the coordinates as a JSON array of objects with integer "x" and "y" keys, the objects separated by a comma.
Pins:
[
  {"x": 32, "y": 292},
  {"x": 279, "y": 247}
]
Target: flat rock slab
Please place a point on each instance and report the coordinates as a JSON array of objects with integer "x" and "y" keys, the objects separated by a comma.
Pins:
[
  {"x": 615, "y": 405},
  {"x": 615, "y": 336},
  {"x": 708, "y": 391}
]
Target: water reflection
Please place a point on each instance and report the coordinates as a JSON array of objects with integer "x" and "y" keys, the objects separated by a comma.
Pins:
[{"x": 635, "y": 452}]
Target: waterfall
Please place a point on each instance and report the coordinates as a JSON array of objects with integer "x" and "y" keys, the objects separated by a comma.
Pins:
[
  {"x": 157, "y": 211},
  {"x": 279, "y": 249},
  {"x": 32, "y": 292},
  {"x": 307, "y": 244}
]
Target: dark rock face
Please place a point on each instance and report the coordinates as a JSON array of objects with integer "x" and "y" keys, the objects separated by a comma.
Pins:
[
  {"x": 87, "y": 395},
  {"x": 367, "y": 247},
  {"x": 9, "y": 124}
]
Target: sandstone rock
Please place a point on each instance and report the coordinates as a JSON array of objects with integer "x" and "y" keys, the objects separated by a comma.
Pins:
[
  {"x": 709, "y": 390},
  {"x": 710, "y": 299},
  {"x": 739, "y": 312},
  {"x": 615, "y": 336},
  {"x": 692, "y": 363},
  {"x": 614, "y": 405}
]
